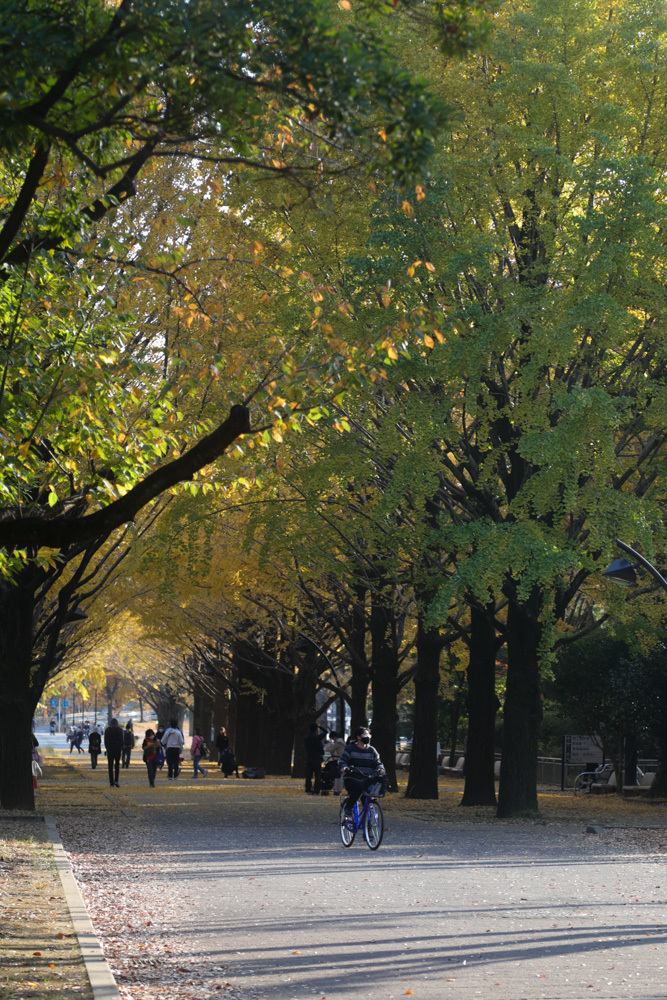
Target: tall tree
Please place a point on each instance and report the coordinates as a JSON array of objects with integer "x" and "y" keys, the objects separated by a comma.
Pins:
[{"x": 524, "y": 309}]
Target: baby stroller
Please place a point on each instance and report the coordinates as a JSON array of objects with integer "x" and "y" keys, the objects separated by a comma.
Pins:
[
  {"x": 228, "y": 764},
  {"x": 329, "y": 774}
]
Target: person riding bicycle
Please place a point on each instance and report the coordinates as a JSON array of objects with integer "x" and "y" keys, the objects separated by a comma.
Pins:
[{"x": 359, "y": 756}]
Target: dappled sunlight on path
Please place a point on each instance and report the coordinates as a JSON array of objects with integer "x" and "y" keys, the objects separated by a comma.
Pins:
[{"x": 242, "y": 889}]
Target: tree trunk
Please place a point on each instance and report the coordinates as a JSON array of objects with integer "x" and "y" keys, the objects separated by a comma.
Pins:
[
  {"x": 659, "y": 786},
  {"x": 384, "y": 686},
  {"x": 305, "y": 711},
  {"x": 202, "y": 709},
  {"x": 340, "y": 716},
  {"x": 480, "y": 789},
  {"x": 361, "y": 675},
  {"x": 454, "y": 716},
  {"x": 423, "y": 776},
  {"x": 168, "y": 707},
  {"x": 523, "y": 709},
  {"x": 630, "y": 777},
  {"x": 17, "y": 698}
]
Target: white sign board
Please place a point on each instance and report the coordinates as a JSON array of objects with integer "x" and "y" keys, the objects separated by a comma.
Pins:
[{"x": 581, "y": 750}]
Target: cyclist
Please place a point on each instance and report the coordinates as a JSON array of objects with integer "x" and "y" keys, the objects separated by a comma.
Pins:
[{"x": 361, "y": 756}]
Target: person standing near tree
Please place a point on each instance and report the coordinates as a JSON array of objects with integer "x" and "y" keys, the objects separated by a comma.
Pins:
[
  {"x": 94, "y": 747},
  {"x": 128, "y": 744},
  {"x": 314, "y": 742},
  {"x": 172, "y": 741},
  {"x": 221, "y": 743},
  {"x": 113, "y": 744}
]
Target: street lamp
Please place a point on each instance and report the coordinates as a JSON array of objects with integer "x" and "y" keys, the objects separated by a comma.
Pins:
[{"x": 623, "y": 572}]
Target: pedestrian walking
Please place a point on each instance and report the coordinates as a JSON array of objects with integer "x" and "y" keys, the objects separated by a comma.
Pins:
[
  {"x": 113, "y": 744},
  {"x": 197, "y": 751},
  {"x": 76, "y": 739},
  {"x": 128, "y": 744},
  {"x": 150, "y": 747},
  {"x": 221, "y": 744},
  {"x": 172, "y": 741},
  {"x": 94, "y": 747},
  {"x": 314, "y": 753}
]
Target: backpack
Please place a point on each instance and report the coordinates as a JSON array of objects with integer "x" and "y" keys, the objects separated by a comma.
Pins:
[
  {"x": 253, "y": 772},
  {"x": 203, "y": 750}
]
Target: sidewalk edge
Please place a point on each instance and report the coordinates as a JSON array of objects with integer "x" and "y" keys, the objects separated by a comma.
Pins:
[{"x": 101, "y": 978}]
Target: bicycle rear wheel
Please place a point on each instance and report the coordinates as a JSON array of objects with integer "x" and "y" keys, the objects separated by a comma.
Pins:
[
  {"x": 374, "y": 825},
  {"x": 346, "y": 835}
]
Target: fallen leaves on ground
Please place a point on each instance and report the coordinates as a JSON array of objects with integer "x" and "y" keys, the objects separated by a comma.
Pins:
[{"x": 40, "y": 954}]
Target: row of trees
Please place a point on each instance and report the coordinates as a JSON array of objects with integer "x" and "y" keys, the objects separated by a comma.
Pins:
[
  {"x": 459, "y": 384},
  {"x": 102, "y": 395}
]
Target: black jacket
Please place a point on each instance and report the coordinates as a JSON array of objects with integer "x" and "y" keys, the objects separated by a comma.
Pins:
[
  {"x": 113, "y": 738},
  {"x": 314, "y": 746}
]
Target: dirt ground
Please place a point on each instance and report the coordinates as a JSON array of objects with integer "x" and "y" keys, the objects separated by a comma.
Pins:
[{"x": 40, "y": 954}]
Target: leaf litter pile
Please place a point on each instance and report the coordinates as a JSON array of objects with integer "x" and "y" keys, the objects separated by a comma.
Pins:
[{"x": 40, "y": 952}]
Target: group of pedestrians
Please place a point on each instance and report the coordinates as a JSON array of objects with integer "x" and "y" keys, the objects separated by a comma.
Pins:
[
  {"x": 160, "y": 747},
  {"x": 77, "y": 734}
]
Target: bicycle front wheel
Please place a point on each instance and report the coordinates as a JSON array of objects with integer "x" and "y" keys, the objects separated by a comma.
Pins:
[
  {"x": 374, "y": 825},
  {"x": 346, "y": 835}
]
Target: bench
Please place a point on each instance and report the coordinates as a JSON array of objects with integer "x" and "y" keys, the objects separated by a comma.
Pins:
[
  {"x": 456, "y": 771},
  {"x": 607, "y": 784},
  {"x": 644, "y": 786}
]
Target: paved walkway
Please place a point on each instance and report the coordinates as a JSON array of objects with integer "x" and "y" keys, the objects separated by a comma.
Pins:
[{"x": 250, "y": 881}]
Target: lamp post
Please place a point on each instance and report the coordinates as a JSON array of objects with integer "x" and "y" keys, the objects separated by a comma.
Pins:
[{"x": 623, "y": 572}]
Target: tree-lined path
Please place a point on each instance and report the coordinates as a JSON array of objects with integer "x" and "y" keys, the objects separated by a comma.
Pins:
[{"x": 242, "y": 889}]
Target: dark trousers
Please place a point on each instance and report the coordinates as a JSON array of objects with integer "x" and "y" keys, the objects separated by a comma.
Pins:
[
  {"x": 354, "y": 787},
  {"x": 314, "y": 770},
  {"x": 113, "y": 760},
  {"x": 151, "y": 767},
  {"x": 93, "y": 760},
  {"x": 173, "y": 756},
  {"x": 125, "y": 756}
]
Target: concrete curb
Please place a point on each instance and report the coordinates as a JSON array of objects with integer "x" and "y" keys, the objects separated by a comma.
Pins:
[{"x": 101, "y": 979}]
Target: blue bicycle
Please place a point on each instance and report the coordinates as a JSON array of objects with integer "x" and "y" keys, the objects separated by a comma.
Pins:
[{"x": 367, "y": 815}]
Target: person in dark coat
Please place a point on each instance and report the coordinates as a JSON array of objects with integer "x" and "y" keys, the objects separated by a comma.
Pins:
[
  {"x": 314, "y": 743},
  {"x": 228, "y": 763},
  {"x": 128, "y": 744},
  {"x": 113, "y": 743},
  {"x": 94, "y": 747},
  {"x": 221, "y": 744}
]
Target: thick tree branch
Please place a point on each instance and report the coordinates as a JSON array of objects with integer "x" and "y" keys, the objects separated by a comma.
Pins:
[
  {"x": 61, "y": 530},
  {"x": 27, "y": 193}
]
